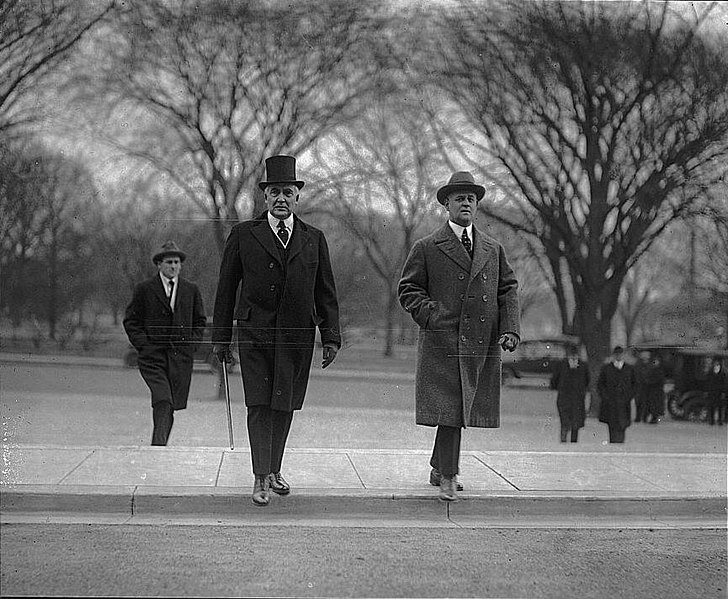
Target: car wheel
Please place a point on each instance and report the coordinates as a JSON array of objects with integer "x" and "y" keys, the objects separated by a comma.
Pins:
[{"x": 675, "y": 406}]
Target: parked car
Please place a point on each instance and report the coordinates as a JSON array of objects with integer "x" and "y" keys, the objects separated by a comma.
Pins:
[
  {"x": 536, "y": 357},
  {"x": 687, "y": 399},
  {"x": 203, "y": 353}
]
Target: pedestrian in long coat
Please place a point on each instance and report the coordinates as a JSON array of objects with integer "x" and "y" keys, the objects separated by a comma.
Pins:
[
  {"x": 460, "y": 289},
  {"x": 165, "y": 322},
  {"x": 571, "y": 381},
  {"x": 277, "y": 282},
  {"x": 616, "y": 386}
]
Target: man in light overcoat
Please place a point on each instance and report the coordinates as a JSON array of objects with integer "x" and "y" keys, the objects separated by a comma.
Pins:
[
  {"x": 460, "y": 289},
  {"x": 277, "y": 282}
]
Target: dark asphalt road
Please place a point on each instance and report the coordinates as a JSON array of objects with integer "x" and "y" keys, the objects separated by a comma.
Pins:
[{"x": 211, "y": 561}]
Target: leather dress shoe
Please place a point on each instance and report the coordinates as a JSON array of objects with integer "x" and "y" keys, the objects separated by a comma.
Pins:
[
  {"x": 278, "y": 484},
  {"x": 436, "y": 477},
  {"x": 447, "y": 489},
  {"x": 261, "y": 496}
]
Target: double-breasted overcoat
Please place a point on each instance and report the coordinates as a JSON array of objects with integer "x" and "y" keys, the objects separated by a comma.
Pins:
[
  {"x": 278, "y": 299},
  {"x": 166, "y": 339},
  {"x": 462, "y": 307}
]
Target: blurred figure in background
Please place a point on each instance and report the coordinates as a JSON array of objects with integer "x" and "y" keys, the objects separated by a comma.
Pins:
[
  {"x": 165, "y": 321},
  {"x": 716, "y": 386},
  {"x": 571, "y": 381},
  {"x": 616, "y": 387},
  {"x": 649, "y": 396}
]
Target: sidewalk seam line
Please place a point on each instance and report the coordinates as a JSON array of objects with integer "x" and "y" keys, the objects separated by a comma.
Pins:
[
  {"x": 348, "y": 457},
  {"x": 76, "y": 467},
  {"x": 219, "y": 468},
  {"x": 494, "y": 471}
]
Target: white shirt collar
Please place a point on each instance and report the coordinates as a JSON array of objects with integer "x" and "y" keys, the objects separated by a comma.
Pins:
[
  {"x": 458, "y": 229},
  {"x": 273, "y": 222},
  {"x": 166, "y": 281}
]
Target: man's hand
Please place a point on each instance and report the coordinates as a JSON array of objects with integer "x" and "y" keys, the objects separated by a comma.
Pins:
[
  {"x": 328, "y": 355},
  {"x": 223, "y": 353},
  {"x": 509, "y": 341}
]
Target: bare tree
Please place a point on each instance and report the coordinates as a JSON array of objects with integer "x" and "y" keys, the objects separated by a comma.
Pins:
[
  {"x": 610, "y": 120},
  {"x": 206, "y": 91},
  {"x": 35, "y": 37},
  {"x": 378, "y": 178}
]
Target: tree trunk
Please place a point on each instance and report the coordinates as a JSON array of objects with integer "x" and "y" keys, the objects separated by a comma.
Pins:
[
  {"x": 52, "y": 290},
  {"x": 392, "y": 306}
]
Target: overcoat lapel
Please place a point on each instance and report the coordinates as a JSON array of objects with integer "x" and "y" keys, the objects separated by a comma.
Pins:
[
  {"x": 482, "y": 249},
  {"x": 298, "y": 240},
  {"x": 452, "y": 247},
  {"x": 161, "y": 292},
  {"x": 262, "y": 232}
]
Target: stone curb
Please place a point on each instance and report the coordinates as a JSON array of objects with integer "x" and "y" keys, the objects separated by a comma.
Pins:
[{"x": 327, "y": 504}]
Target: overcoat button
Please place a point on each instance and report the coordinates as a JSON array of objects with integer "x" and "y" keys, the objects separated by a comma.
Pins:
[
  {"x": 461, "y": 276},
  {"x": 462, "y": 338},
  {"x": 271, "y": 265},
  {"x": 480, "y": 341},
  {"x": 485, "y": 298},
  {"x": 278, "y": 392},
  {"x": 272, "y": 287},
  {"x": 482, "y": 319},
  {"x": 485, "y": 277}
]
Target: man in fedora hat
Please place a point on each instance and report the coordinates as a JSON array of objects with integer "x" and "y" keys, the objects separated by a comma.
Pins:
[
  {"x": 459, "y": 288},
  {"x": 165, "y": 321},
  {"x": 276, "y": 281}
]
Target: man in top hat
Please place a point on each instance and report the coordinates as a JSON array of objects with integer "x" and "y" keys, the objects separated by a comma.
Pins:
[
  {"x": 165, "y": 321},
  {"x": 276, "y": 281},
  {"x": 459, "y": 288}
]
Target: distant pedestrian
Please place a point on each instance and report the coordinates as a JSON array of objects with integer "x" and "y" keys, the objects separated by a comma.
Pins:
[
  {"x": 650, "y": 394},
  {"x": 277, "y": 282},
  {"x": 716, "y": 387},
  {"x": 616, "y": 387},
  {"x": 165, "y": 322},
  {"x": 571, "y": 381},
  {"x": 460, "y": 289}
]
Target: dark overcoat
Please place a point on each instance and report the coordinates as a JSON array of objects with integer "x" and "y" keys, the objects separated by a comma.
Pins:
[
  {"x": 650, "y": 379},
  {"x": 166, "y": 339},
  {"x": 278, "y": 299},
  {"x": 571, "y": 385},
  {"x": 462, "y": 307},
  {"x": 616, "y": 389}
]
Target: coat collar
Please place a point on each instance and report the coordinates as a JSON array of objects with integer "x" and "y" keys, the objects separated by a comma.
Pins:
[
  {"x": 262, "y": 232},
  {"x": 451, "y": 246}
]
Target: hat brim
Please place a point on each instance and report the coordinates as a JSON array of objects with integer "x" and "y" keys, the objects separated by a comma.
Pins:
[
  {"x": 158, "y": 257},
  {"x": 264, "y": 184},
  {"x": 446, "y": 190}
]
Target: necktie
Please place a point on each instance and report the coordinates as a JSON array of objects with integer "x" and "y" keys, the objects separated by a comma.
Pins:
[
  {"x": 282, "y": 232},
  {"x": 171, "y": 290},
  {"x": 466, "y": 242}
]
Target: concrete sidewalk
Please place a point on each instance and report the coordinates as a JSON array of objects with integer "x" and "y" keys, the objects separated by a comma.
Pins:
[{"x": 581, "y": 489}]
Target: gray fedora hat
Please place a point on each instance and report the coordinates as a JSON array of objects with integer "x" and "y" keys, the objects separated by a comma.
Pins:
[
  {"x": 461, "y": 180},
  {"x": 169, "y": 248}
]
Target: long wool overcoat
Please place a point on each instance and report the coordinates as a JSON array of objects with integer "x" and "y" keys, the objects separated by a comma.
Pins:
[
  {"x": 166, "y": 339},
  {"x": 462, "y": 307},
  {"x": 278, "y": 300},
  {"x": 616, "y": 388},
  {"x": 571, "y": 385}
]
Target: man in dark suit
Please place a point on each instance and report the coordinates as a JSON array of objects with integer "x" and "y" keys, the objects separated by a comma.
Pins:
[
  {"x": 616, "y": 386},
  {"x": 459, "y": 288},
  {"x": 571, "y": 381},
  {"x": 165, "y": 321},
  {"x": 276, "y": 280}
]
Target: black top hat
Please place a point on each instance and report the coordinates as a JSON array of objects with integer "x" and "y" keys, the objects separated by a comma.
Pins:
[
  {"x": 462, "y": 180},
  {"x": 281, "y": 169},
  {"x": 169, "y": 248}
]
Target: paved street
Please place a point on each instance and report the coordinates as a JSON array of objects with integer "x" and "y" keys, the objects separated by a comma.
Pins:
[
  {"x": 88, "y": 508},
  {"x": 77, "y": 406},
  {"x": 211, "y": 561}
]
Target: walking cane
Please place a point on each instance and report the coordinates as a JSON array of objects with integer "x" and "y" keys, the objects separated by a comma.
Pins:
[{"x": 227, "y": 401}]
